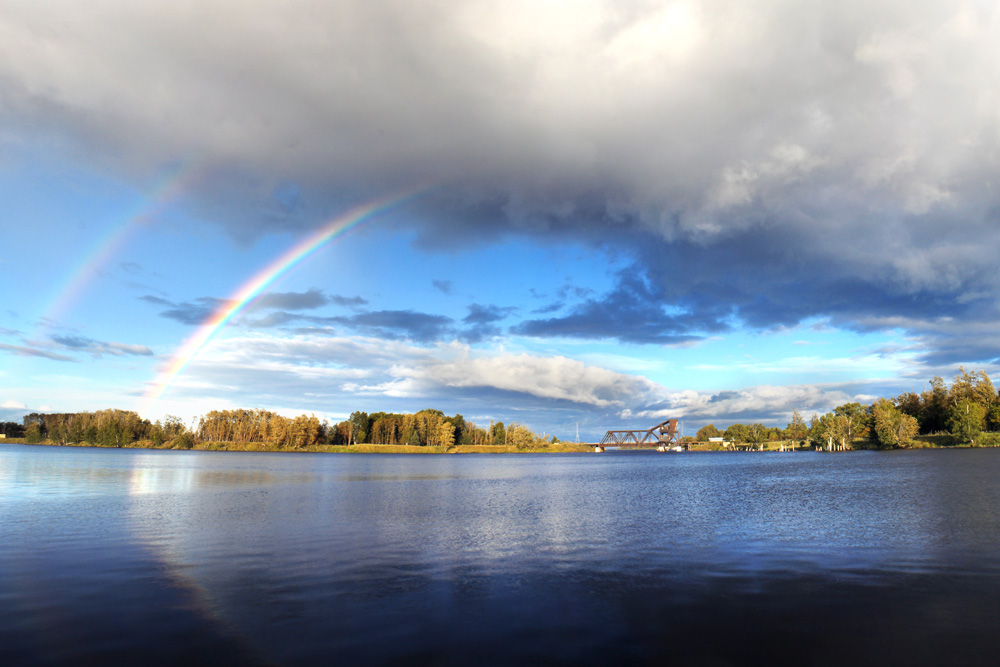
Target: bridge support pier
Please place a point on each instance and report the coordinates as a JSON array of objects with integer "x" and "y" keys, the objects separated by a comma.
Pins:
[{"x": 598, "y": 449}]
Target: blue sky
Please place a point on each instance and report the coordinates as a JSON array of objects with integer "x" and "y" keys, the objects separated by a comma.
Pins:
[{"x": 631, "y": 211}]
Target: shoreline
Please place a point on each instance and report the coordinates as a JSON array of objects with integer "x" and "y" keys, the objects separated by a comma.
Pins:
[
  {"x": 557, "y": 448},
  {"x": 921, "y": 442}
]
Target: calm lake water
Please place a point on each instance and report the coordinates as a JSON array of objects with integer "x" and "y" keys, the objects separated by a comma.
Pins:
[{"x": 160, "y": 557}]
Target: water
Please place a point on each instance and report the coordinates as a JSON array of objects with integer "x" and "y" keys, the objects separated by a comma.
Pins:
[{"x": 125, "y": 556}]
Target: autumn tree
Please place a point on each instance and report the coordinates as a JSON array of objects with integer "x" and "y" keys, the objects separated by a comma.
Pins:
[
  {"x": 520, "y": 436},
  {"x": 445, "y": 436}
]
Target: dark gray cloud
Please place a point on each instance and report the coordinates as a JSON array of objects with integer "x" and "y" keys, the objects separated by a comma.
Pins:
[
  {"x": 633, "y": 312},
  {"x": 487, "y": 314},
  {"x": 268, "y": 310},
  {"x": 399, "y": 324},
  {"x": 482, "y": 322},
  {"x": 443, "y": 286},
  {"x": 187, "y": 312},
  {"x": 550, "y": 308},
  {"x": 347, "y": 301},
  {"x": 308, "y": 300},
  {"x": 761, "y": 164}
]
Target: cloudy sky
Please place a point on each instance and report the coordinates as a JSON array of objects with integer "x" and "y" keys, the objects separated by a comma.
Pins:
[{"x": 604, "y": 213}]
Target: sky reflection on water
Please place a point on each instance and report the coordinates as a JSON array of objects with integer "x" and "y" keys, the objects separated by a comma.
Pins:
[{"x": 627, "y": 557}]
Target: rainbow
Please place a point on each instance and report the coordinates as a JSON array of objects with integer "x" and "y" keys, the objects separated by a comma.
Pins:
[
  {"x": 256, "y": 286},
  {"x": 165, "y": 190}
]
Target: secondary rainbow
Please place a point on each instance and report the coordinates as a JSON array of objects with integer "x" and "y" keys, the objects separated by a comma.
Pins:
[
  {"x": 257, "y": 285},
  {"x": 166, "y": 190}
]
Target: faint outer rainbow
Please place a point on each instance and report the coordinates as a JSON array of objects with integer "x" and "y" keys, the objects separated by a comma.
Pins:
[
  {"x": 165, "y": 190},
  {"x": 256, "y": 286}
]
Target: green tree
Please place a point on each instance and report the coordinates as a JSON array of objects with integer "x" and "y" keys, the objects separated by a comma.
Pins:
[
  {"x": 738, "y": 433},
  {"x": 758, "y": 434},
  {"x": 184, "y": 440},
  {"x": 822, "y": 430},
  {"x": 706, "y": 432},
  {"x": 797, "y": 429},
  {"x": 498, "y": 434},
  {"x": 934, "y": 408},
  {"x": 58, "y": 433},
  {"x": 892, "y": 427},
  {"x": 359, "y": 427},
  {"x": 157, "y": 435},
  {"x": 856, "y": 420},
  {"x": 993, "y": 418},
  {"x": 965, "y": 420},
  {"x": 33, "y": 433}
]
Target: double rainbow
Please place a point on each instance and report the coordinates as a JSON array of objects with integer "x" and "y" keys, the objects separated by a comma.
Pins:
[{"x": 259, "y": 283}]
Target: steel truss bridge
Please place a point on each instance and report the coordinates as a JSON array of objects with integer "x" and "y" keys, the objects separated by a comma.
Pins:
[{"x": 664, "y": 434}]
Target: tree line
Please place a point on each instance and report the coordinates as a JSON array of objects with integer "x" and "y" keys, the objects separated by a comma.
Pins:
[
  {"x": 430, "y": 427},
  {"x": 965, "y": 410},
  {"x": 118, "y": 428},
  {"x": 108, "y": 428}
]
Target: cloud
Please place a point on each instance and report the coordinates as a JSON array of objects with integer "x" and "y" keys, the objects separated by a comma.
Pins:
[
  {"x": 330, "y": 365},
  {"x": 761, "y": 164},
  {"x": 480, "y": 314},
  {"x": 12, "y": 405},
  {"x": 308, "y": 300},
  {"x": 276, "y": 305},
  {"x": 443, "y": 286},
  {"x": 186, "y": 312},
  {"x": 767, "y": 404},
  {"x": 396, "y": 324},
  {"x": 99, "y": 348},
  {"x": 557, "y": 378},
  {"x": 330, "y": 373},
  {"x": 348, "y": 301},
  {"x": 633, "y": 312},
  {"x": 30, "y": 351}
]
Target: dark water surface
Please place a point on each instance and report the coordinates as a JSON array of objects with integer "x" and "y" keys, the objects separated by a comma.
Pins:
[{"x": 150, "y": 557}]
